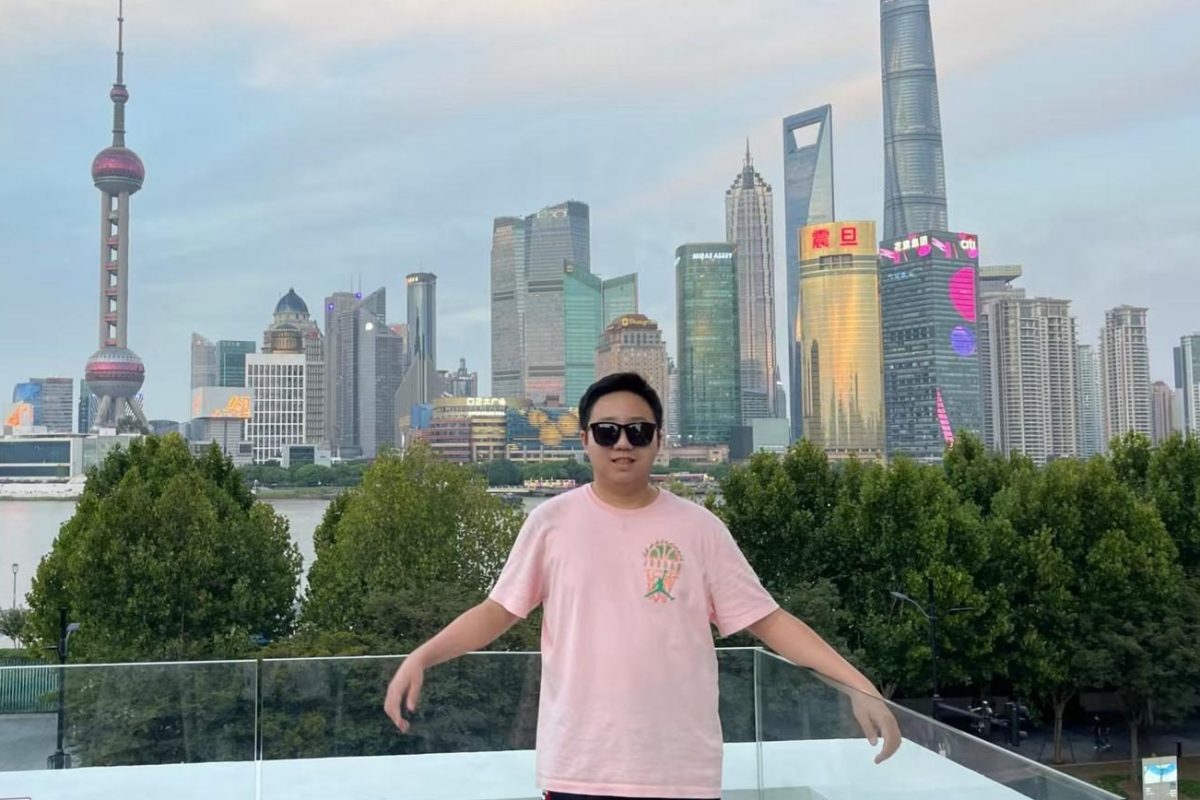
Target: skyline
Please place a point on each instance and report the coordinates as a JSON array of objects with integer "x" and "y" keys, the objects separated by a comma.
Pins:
[{"x": 237, "y": 212}]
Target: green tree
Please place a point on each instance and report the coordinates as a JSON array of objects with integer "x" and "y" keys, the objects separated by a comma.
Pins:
[
  {"x": 903, "y": 527},
  {"x": 1173, "y": 483},
  {"x": 166, "y": 557},
  {"x": 415, "y": 524},
  {"x": 1130, "y": 457},
  {"x": 1093, "y": 579},
  {"x": 502, "y": 473},
  {"x": 977, "y": 474},
  {"x": 13, "y": 622}
]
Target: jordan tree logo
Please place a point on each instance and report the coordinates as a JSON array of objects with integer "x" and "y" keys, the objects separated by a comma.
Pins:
[{"x": 663, "y": 562}]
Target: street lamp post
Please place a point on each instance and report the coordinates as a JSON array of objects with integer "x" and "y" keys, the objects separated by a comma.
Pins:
[
  {"x": 60, "y": 759},
  {"x": 931, "y": 617},
  {"x": 15, "y": 568}
]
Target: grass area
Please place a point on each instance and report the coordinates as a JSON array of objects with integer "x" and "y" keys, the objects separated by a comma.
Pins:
[
  {"x": 1190, "y": 789},
  {"x": 1113, "y": 783}
]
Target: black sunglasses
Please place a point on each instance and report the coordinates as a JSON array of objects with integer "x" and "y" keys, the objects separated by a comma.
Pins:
[{"x": 607, "y": 434}]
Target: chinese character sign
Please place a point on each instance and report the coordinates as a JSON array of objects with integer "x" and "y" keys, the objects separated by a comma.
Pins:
[{"x": 855, "y": 238}]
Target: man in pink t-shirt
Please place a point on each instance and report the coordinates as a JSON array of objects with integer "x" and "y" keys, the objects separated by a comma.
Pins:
[{"x": 631, "y": 579}]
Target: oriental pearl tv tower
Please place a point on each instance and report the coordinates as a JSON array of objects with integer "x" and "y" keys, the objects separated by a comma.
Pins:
[{"x": 114, "y": 372}]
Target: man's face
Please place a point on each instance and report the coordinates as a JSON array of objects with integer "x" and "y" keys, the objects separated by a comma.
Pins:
[{"x": 622, "y": 464}]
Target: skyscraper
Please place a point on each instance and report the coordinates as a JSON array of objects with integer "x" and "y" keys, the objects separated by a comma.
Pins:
[
  {"x": 86, "y": 412},
  {"x": 1187, "y": 382},
  {"x": 204, "y": 362},
  {"x": 463, "y": 382},
  {"x": 1125, "y": 373},
  {"x": 114, "y": 372},
  {"x": 422, "y": 316},
  {"x": 931, "y": 370},
  {"x": 1162, "y": 412},
  {"x": 231, "y": 361},
  {"x": 291, "y": 314},
  {"x": 510, "y": 237},
  {"x": 839, "y": 340},
  {"x": 634, "y": 343},
  {"x": 583, "y": 309},
  {"x": 808, "y": 200},
  {"x": 1091, "y": 418},
  {"x": 706, "y": 298},
  {"x": 618, "y": 298},
  {"x": 672, "y": 403},
  {"x": 914, "y": 171},
  {"x": 420, "y": 382},
  {"x": 1031, "y": 387},
  {"x": 749, "y": 224},
  {"x": 365, "y": 364},
  {"x": 528, "y": 259}
]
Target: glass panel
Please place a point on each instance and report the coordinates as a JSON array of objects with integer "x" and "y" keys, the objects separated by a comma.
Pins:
[
  {"x": 813, "y": 747},
  {"x": 61, "y": 728}
]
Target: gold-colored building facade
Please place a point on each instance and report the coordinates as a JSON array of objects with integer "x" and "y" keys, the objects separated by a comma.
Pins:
[{"x": 839, "y": 340}]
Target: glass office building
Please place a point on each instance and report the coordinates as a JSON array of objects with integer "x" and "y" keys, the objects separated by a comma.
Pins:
[
  {"x": 914, "y": 168},
  {"x": 931, "y": 379},
  {"x": 231, "y": 361},
  {"x": 840, "y": 349},
  {"x": 808, "y": 200},
  {"x": 706, "y": 292}
]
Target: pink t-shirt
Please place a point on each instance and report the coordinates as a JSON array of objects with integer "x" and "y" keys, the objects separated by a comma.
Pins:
[{"x": 629, "y": 670}]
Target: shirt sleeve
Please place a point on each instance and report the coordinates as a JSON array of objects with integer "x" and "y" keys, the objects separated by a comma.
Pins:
[
  {"x": 737, "y": 598},
  {"x": 519, "y": 589}
]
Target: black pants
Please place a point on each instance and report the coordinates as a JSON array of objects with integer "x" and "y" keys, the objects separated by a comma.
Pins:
[{"x": 563, "y": 796}]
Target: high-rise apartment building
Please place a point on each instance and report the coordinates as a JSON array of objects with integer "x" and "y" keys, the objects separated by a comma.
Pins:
[
  {"x": 1125, "y": 373},
  {"x": 528, "y": 336},
  {"x": 277, "y": 383},
  {"x": 928, "y": 299},
  {"x": 1091, "y": 415},
  {"x": 914, "y": 168},
  {"x": 231, "y": 361},
  {"x": 1030, "y": 387},
  {"x": 634, "y": 343},
  {"x": 750, "y": 224},
  {"x": 808, "y": 200},
  {"x": 1187, "y": 382},
  {"x": 709, "y": 354},
  {"x": 839, "y": 342},
  {"x": 204, "y": 362},
  {"x": 1162, "y": 412}
]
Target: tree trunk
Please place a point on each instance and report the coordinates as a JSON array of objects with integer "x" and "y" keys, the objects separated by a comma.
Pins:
[
  {"x": 1135, "y": 722},
  {"x": 1060, "y": 706}
]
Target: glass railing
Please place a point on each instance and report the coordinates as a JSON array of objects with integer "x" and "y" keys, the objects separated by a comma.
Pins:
[{"x": 299, "y": 728}]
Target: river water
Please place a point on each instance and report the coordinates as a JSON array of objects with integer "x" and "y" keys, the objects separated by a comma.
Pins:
[{"x": 28, "y": 529}]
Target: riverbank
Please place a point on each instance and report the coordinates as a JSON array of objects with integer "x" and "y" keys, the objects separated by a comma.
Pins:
[
  {"x": 299, "y": 492},
  {"x": 41, "y": 491}
]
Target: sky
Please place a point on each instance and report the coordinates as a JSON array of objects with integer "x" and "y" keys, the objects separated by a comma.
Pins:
[{"x": 327, "y": 146}]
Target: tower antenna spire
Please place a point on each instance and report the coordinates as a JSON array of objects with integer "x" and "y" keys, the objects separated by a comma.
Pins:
[{"x": 749, "y": 161}]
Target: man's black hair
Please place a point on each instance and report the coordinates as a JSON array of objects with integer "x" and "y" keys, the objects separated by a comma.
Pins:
[{"x": 619, "y": 382}]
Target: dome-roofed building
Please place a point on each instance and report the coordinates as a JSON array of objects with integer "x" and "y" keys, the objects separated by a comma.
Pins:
[{"x": 293, "y": 330}]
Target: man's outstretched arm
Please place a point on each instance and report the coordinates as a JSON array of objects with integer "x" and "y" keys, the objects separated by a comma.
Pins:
[
  {"x": 800, "y": 644},
  {"x": 474, "y": 629}
]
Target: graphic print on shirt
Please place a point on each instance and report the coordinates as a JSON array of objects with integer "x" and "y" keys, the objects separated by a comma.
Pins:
[{"x": 663, "y": 563}]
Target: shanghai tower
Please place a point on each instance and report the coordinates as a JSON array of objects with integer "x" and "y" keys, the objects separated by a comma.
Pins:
[
  {"x": 114, "y": 372},
  {"x": 914, "y": 169}
]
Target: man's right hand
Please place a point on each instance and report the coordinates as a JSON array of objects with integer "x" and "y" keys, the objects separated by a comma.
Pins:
[{"x": 404, "y": 689}]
